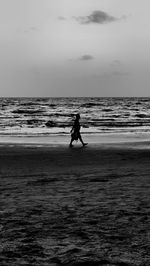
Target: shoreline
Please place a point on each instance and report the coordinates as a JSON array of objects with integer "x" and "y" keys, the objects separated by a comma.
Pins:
[{"x": 63, "y": 140}]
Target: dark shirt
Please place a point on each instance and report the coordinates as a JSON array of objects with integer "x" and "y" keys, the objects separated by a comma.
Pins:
[{"x": 76, "y": 126}]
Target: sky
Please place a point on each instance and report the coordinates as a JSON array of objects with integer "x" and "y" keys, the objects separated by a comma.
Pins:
[{"x": 74, "y": 48}]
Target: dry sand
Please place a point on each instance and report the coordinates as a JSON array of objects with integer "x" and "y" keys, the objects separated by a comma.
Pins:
[{"x": 72, "y": 207}]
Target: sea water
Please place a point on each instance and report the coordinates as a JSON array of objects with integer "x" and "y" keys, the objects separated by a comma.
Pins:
[{"x": 47, "y": 116}]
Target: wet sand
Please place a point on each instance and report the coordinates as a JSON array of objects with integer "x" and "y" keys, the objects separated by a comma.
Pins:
[{"x": 71, "y": 207}]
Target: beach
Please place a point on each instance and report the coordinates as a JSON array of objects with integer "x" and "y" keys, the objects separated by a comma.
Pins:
[{"x": 71, "y": 207}]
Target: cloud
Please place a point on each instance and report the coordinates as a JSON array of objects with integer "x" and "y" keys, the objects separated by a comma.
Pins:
[
  {"x": 118, "y": 68},
  {"x": 97, "y": 17},
  {"x": 120, "y": 73},
  {"x": 86, "y": 57},
  {"x": 31, "y": 29},
  {"x": 116, "y": 63},
  {"x": 61, "y": 18}
]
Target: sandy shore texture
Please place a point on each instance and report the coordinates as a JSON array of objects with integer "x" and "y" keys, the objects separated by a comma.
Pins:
[{"x": 75, "y": 207}]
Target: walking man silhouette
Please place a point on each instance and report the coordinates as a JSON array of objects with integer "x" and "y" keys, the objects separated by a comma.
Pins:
[{"x": 75, "y": 132}]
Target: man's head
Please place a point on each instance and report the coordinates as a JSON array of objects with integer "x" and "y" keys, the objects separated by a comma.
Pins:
[{"x": 78, "y": 116}]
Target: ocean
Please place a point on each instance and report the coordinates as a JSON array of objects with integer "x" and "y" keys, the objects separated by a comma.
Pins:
[{"x": 46, "y": 116}]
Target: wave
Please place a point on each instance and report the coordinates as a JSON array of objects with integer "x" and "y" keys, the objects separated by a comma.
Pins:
[
  {"x": 143, "y": 115},
  {"x": 54, "y": 114},
  {"x": 62, "y": 114},
  {"x": 91, "y": 104},
  {"x": 27, "y": 111},
  {"x": 107, "y": 110},
  {"x": 50, "y": 124},
  {"x": 34, "y": 122},
  {"x": 95, "y": 123},
  {"x": 88, "y": 261}
]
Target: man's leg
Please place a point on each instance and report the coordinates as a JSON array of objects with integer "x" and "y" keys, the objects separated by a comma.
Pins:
[
  {"x": 80, "y": 138},
  {"x": 70, "y": 145}
]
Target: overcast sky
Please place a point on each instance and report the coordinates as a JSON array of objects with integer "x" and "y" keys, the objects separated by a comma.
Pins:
[{"x": 74, "y": 48}]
